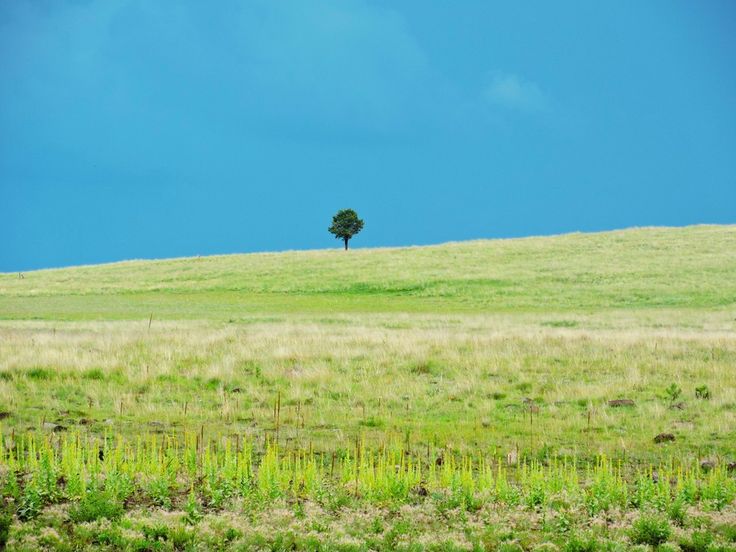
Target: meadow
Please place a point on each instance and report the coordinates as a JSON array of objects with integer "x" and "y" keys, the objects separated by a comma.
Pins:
[{"x": 572, "y": 392}]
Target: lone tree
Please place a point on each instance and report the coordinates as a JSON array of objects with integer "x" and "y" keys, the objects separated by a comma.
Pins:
[{"x": 345, "y": 224}]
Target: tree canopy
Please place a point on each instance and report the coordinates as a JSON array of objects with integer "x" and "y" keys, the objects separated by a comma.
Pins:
[{"x": 345, "y": 224}]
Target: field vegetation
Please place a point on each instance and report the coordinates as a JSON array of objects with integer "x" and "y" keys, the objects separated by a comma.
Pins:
[{"x": 574, "y": 392}]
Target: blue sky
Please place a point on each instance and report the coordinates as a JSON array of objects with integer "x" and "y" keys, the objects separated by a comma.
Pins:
[{"x": 142, "y": 128}]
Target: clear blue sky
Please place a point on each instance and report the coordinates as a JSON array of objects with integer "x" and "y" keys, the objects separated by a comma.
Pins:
[{"x": 144, "y": 128}]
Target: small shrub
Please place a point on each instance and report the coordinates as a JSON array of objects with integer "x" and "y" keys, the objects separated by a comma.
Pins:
[
  {"x": 214, "y": 383},
  {"x": 155, "y": 533},
  {"x": 700, "y": 522},
  {"x": 673, "y": 393},
  {"x": 650, "y": 529},
  {"x": 108, "y": 536},
  {"x": 563, "y": 523},
  {"x": 31, "y": 502},
  {"x": 377, "y": 526},
  {"x": 699, "y": 541},
  {"x": 192, "y": 512},
  {"x": 578, "y": 543},
  {"x": 95, "y": 374},
  {"x": 181, "y": 538},
  {"x": 393, "y": 535},
  {"x": 231, "y": 534},
  {"x": 96, "y": 505},
  {"x": 5, "y": 521},
  {"x": 159, "y": 490},
  {"x": 678, "y": 512},
  {"x": 702, "y": 392},
  {"x": 536, "y": 497}
]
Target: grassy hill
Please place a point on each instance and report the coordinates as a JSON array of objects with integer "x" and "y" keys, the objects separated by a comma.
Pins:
[
  {"x": 458, "y": 395},
  {"x": 692, "y": 267}
]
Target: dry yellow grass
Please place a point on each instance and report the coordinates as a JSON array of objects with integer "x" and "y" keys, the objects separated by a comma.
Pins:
[{"x": 458, "y": 381}]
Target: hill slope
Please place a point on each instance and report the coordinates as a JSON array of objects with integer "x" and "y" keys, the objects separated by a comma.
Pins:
[{"x": 691, "y": 267}]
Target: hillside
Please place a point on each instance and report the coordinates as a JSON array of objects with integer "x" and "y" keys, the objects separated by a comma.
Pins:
[
  {"x": 539, "y": 376},
  {"x": 691, "y": 267}
]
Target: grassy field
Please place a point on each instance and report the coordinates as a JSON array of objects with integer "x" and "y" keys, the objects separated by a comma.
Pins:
[
  {"x": 686, "y": 268},
  {"x": 447, "y": 397}
]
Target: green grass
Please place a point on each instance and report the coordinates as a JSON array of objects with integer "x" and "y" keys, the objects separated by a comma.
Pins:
[
  {"x": 644, "y": 268},
  {"x": 506, "y": 350}
]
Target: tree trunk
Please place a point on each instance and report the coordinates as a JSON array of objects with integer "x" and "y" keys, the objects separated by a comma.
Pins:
[{"x": 346, "y": 243}]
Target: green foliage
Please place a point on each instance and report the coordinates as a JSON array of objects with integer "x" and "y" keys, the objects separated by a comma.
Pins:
[
  {"x": 31, "y": 502},
  {"x": 650, "y": 529},
  {"x": 563, "y": 523},
  {"x": 699, "y": 541},
  {"x": 702, "y": 392},
  {"x": 377, "y": 525},
  {"x": 193, "y": 513},
  {"x": 678, "y": 511},
  {"x": 5, "y": 521},
  {"x": 39, "y": 373},
  {"x": 345, "y": 225},
  {"x": 95, "y": 374},
  {"x": 581, "y": 543},
  {"x": 673, "y": 392},
  {"x": 728, "y": 530},
  {"x": 372, "y": 421},
  {"x": 159, "y": 490},
  {"x": 509, "y": 547},
  {"x": 96, "y": 504},
  {"x": 718, "y": 489}
]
